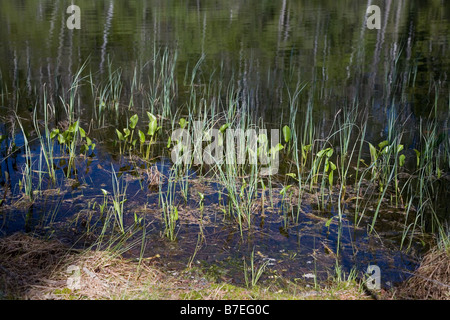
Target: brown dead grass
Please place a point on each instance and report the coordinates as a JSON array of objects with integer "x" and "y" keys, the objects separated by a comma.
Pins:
[
  {"x": 32, "y": 268},
  {"x": 431, "y": 280},
  {"x": 25, "y": 262}
]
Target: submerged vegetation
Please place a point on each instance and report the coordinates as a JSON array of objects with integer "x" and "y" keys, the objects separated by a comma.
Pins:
[{"x": 177, "y": 161}]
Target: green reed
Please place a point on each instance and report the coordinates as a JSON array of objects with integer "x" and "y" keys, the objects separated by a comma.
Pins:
[
  {"x": 46, "y": 142},
  {"x": 252, "y": 277},
  {"x": 119, "y": 197},
  {"x": 72, "y": 99},
  {"x": 168, "y": 205},
  {"x": 27, "y": 173}
]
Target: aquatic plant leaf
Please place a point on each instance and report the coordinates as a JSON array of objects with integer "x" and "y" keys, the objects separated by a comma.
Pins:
[
  {"x": 133, "y": 121},
  {"x": 152, "y": 125},
  {"x": 82, "y": 132},
  {"x": 286, "y": 133},
  {"x": 285, "y": 190},
  {"x": 417, "y": 156},
  {"x": 292, "y": 175},
  {"x": 141, "y": 136},
  {"x": 182, "y": 123},
  {"x": 373, "y": 152},
  {"x": 330, "y": 177},
  {"x": 54, "y": 133},
  {"x": 262, "y": 139},
  {"x": 120, "y": 135},
  {"x": 333, "y": 166},
  {"x": 330, "y": 153},
  {"x": 150, "y": 116},
  {"x": 328, "y": 223},
  {"x": 383, "y": 144},
  {"x": 224, "y": 127},
  {"x": 320, "y": 153},
  {"x": 276, "y": 149},
  {"x": 61, "y": 139},
  {"x": 401, "y": 160},
  {"x": 305, "y": 150},
  {"x": 127, "y": 132}
]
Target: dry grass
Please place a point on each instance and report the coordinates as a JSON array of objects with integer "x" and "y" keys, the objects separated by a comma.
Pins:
[
  {"x": 31, "y": 268},
  {"x": 27, "y": 262},
  {"x": 431, "y": 280}
]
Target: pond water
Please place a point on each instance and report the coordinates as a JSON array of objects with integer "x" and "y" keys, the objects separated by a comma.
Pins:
[{"x": 297, "y": 63}]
